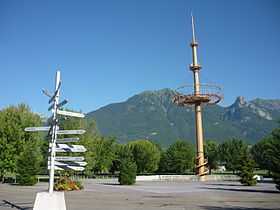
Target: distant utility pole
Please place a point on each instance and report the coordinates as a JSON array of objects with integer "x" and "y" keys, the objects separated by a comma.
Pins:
[{"x": 199, "y": 95}]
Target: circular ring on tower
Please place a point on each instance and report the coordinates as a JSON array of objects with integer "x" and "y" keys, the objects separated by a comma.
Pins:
[
  {"x": 208, "y": 94},
  {"x": 195, "y": 67},
  {"x": 194, "y": 44}
]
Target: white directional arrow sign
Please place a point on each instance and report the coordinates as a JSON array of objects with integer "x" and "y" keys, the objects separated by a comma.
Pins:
[
  {"x": 60, "y": 132},
  {"x": 61, "y": 168},
  {"x": 67, "y": 140},
  {"x": 76, "y": 168},
  {"x": 67, "y": 158},
  {"x": 33, "y": 129},
  {"x": 55, "y": 168},
  {"x": 71, "y": 114},
  {"x": 79, "y": 163},
  {"x": 70, "y": 148}
]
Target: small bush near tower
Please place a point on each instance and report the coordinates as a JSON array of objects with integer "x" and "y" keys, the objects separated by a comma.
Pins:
[
  {"x": 128, "y": 169},
  {"x": 246, "y": 170}
]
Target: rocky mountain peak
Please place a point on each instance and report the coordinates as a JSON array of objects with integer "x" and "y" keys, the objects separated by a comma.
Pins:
[
  {"x": 240, "y": 102},
  {"x": 234, "y": 111}
]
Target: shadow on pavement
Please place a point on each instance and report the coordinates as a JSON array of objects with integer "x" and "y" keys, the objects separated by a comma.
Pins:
[
  {"x": 242, "y": 190},
  {"x": 230, "y": 185},
  {"x": 112, "y": 184},
  {"x": 21, "y": 206},
  {"x": 232, "y": 208}
]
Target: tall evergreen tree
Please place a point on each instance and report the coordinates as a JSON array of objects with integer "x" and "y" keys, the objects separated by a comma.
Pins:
[
  {"x": 128, "y": 169},
  {"x": 246, "y": 170}
]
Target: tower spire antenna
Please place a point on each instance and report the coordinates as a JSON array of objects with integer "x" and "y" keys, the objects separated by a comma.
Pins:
[{"x": 193, "y": 31}]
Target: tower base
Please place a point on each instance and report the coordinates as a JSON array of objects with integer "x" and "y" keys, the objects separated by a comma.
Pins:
[
  {"x": 202, "y": 178},
  {"x": 47, "y": 201}
]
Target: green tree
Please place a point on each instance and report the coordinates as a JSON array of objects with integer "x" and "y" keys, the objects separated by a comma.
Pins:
[
  {"x": 246, "y": 170},
  {"x": 104, "y": 151},
  {"x": 179, "y": 157},
  {"x": 163, "y": 163},
  {"x": 261, "y": 153},
  {"x": 125, "y": 164},
  {"x": 13, "y": 120},
  {"x": 89, "y": 140},
  {"x": 269, "y": 151},
  {"x": 211, "y": 153},
  {"x": 146, "y": 155},
  {"x": 28, "y": 163},
  {"x": 230, "y": 152},
  {"x": 122, "y": 152},
  {"x": 128, "y": 169},
  {"x": 275, "y": 154}
]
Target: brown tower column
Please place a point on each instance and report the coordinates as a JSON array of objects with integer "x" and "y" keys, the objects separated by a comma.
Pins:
[
  {"x": 195, "y": 68},
  {"x": 211, "y": 94}
]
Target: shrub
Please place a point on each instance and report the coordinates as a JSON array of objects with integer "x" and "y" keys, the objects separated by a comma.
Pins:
[
  {"x": 246, "y": 170},
  {"x": 66, "y": 184},
  {"x": 127, "y": 174}
]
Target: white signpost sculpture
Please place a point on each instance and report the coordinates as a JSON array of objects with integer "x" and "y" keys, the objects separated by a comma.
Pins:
[{"x": 55, "y": 200}]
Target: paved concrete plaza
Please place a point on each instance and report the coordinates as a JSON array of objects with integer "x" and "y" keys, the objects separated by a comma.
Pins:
[{"x": 149, "y": 195}]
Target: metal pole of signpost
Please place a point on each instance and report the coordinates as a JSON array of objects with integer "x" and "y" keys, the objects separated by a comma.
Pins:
[{"x": 54, "y": 133}]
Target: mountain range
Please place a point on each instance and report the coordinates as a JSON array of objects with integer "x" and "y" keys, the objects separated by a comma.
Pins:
[{"x": 152, "y": 115}]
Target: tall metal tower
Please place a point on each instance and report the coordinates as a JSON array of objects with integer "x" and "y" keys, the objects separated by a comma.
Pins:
[{"x": 196, "y": 95}]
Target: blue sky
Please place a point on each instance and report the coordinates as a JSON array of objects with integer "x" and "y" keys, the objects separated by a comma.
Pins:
[{"x": 110, "y": 50}]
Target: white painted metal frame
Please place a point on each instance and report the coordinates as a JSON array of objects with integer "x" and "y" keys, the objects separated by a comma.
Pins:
[{"x": 54, "y": 131}]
